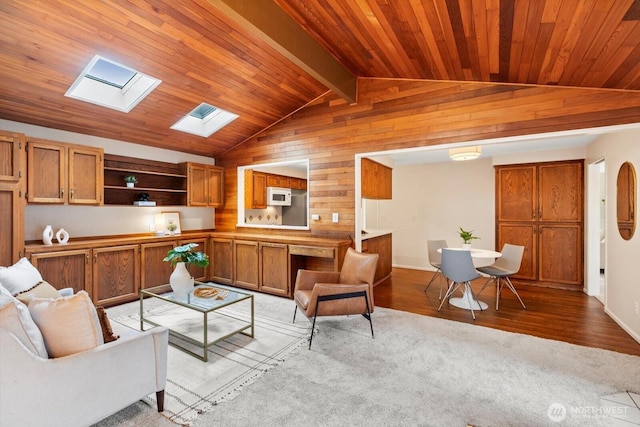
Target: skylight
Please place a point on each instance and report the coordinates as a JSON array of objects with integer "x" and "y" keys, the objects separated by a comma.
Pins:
[
  {"x": 204, "y": 120},
  {"x": 109, "y": 84}
]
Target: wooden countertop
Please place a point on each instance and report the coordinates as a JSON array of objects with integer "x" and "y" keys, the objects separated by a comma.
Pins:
[
  {"x": 100, "y": 241},
  {"x": 291, "y": 240},
  {"x": 371, "y": 234}
]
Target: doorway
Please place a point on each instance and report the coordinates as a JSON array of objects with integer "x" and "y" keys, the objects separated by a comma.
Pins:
[{"x": 597, "y": 232}]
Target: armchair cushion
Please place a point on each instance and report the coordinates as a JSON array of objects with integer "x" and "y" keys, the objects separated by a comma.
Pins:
[
  {"x": 15, "y": 318},
  {"x": 68, "y": 324}
]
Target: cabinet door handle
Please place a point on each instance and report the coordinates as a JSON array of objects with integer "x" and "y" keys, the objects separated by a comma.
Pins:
[
  {"x": 533, "y": 213},
  {"x": 71, "y": 193},
  {"x": 87, "y": 259},
  {"x": 61, "y": 192}
]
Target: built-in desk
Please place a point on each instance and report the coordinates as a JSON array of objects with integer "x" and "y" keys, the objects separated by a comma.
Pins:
[{"x": 270, "y": 262}]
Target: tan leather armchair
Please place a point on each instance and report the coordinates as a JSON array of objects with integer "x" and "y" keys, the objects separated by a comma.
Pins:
[{"x": 329, "y": 293}]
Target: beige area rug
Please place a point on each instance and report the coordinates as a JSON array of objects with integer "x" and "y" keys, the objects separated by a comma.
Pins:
[{"x": 195, "y": 387}]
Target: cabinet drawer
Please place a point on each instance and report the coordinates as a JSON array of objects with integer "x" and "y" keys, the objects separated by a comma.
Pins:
[{"x": 314, "y": 251}]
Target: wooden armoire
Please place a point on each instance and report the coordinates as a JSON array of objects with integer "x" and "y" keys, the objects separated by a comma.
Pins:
[{"x": 540, "y": 206}]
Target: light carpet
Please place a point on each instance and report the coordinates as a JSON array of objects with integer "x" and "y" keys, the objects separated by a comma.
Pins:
[
  {"x": 195, "y": 386},
  {"x": 424, "y": 371}
]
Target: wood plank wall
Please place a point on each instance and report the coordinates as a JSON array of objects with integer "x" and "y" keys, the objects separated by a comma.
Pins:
[{"x": 393, "y": 114}]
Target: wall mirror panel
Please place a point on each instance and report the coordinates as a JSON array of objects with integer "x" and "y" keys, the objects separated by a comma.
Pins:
[
  {"x": 274, "y": 195},
  {"x": 626, "y": 200}
]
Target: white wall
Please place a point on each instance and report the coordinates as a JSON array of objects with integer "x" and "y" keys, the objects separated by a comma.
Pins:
[
  {"x": 83, "y": 221},
  {"x": 430, "y": 201},
  {"x": 622, "y": 256}
]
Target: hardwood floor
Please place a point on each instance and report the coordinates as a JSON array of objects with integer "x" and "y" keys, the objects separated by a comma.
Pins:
[{"x": 563, "y": 315}]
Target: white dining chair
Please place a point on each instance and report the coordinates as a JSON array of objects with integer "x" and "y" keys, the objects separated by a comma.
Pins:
[
  {"x": 507, "y": 265},
  {"x": 435, "y": 259}
]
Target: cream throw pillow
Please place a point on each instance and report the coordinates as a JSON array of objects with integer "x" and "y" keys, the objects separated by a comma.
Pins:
[
  {"x": 41, "y": 290},
  {"x": 68, "y": 324},
  {"x": 19, "y": 277},
  {"x": 15, "y": 318}
]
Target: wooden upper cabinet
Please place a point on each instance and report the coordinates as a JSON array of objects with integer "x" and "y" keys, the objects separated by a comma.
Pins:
[
  {"x": 11, "y": 145},
  {"x": 516, "y": 191},
  {"x": 376, "y": 182},
  {"x": 298, "y": 183},
  {"x": 560, "y": 192},
  {"x": 278, "y": 181},
  {"x": 255, "y": 189},
  {"x": 12, "y": 192},
  {"x": 205, "y": 185},
  {"x": 85, "y": 168},
  {"x": 64, "y": 173}
]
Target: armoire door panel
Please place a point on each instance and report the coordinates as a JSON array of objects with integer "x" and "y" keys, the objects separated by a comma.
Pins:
[
  {"x": 516, "y": 190},
  {"x": 560, "y": 192},
  {"x": 560, "y": 253},
  {"x": 522, "y": 235}
]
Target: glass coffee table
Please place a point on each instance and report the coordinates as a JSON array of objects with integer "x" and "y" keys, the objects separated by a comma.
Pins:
[{"x": 208, "y": 300}]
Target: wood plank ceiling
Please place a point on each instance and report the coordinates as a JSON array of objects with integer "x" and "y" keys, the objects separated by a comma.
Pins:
[{"x": 203, "y": 55}]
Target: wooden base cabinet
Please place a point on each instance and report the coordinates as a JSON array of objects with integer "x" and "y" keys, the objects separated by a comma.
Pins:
[
  {"x": 154, "y": 271},
  {"x": 381, "y": 245},
  {"x": 246, "y": 264},
  {"x": 223, "y": 260},
  {"x": 66, "y": 269},
  {"x": 116, "y": 274},
  {"x": 274, "y": 268}
]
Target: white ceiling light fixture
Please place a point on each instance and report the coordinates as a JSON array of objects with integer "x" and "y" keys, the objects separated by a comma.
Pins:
[
  {"x": 204, "y": 120},
  {"x": 465, "y": 153},
  {"x": 109, "y": 84}
]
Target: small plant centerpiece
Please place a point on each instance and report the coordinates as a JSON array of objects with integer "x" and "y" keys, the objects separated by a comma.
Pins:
[
  {"x": 467, "y": 237},
  {"x": 131, "y": 180},
  {"x": 181, "y": 280}
]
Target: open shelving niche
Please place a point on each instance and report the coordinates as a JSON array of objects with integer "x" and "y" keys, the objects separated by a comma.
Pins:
[{"x": 166, "y": 183}]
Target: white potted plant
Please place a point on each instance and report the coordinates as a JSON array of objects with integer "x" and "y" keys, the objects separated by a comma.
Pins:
[
  {"x": 131, "y": 180},
  {"x": 467, "y": 236},
  {"x": 181, "y": 256}
]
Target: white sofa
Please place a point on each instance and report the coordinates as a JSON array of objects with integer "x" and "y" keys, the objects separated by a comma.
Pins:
[{"x": 83, "y": 388}]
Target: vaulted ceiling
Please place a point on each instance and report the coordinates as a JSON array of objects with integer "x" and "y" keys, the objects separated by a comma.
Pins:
[{"x": 265, "y": 59}]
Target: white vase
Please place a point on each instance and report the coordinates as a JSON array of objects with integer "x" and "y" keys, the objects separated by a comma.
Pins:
[
  {"x": 63, "y": 236},
  {"x": 47, "y": 235},
  {"x": 466, "y": 246},
  {"x": 181, "y": 281},
  {"x": 131, "y": 184}
]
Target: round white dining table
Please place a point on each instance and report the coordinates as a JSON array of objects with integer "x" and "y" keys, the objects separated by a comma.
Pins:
[{"x": 463, "y": 302}]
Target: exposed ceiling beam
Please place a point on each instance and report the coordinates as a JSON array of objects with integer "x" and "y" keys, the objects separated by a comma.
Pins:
[{"x": 267, "y": 21}]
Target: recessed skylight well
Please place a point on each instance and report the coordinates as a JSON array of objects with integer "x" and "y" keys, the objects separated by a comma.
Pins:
[
  {"x": 204, "y": 120},
  {"x": 112, "y": 85}
]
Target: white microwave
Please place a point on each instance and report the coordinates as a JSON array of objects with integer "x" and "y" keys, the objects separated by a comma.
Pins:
[{"x": 277, "y": 196}]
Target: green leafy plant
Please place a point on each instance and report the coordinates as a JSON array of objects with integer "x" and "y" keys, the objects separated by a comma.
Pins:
[
  {"x": 186, "y": 254},
  {"x": 467, "y": 236},
  {"x": 131, "y": 178}
]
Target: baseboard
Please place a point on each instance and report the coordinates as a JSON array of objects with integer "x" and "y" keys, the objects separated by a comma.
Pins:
[
  {"x": 413, "y": 267},
  {"x": 620, "y": 323}
]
